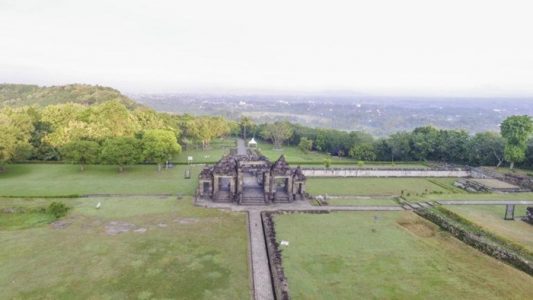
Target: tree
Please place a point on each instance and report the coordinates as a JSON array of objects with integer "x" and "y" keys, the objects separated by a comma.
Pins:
[
  {"x": 23, "y": 151},
  {"x": 424, "y": 141},
  {"x": 363, "y": 152},
  {"x": 81, "y": 152},
  {"x": 278, "y": 133},
  {"x": 15, "y": 132},
  {"x": 8, "y": 143},
  {"x": 305, "y": 144},
  {"x": 516, "y": 131},
  {"x": 485, "y": 148},
  {"x": 400, "y": 146},
  {"x": 246, "y": 125},
  {"x": 159, "y": 146},
  {"x": 121, "y": 151}
]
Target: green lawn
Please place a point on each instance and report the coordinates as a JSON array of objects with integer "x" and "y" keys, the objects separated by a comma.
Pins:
[
  {"x": 185, "y": 252},
  {"x": 362, "y": 202},
  {"x": 294, "y": 154},
  {"x": 490, "y": 217},
  {"x": 57, "y": 180},
  {"x": 216, "y": 150},
  {"x": 388, "y": 255},
  {"x": 377, "y": 186}
]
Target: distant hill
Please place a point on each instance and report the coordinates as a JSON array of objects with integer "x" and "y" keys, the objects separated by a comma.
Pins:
[{"x": 25, "y": 94}]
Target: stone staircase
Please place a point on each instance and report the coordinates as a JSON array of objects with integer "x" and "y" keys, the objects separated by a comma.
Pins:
[
  {"x": 222, "y": 197},
  {"x": 253, "y": 196},
  {"x": 281, "y": 197}
]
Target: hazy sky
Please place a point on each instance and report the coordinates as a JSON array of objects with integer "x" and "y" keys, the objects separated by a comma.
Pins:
[{"x": 468, "y": 47}]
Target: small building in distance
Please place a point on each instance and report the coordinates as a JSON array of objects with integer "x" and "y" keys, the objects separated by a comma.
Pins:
[
  {"x": 251, "y": 179},
  {"x": 252, "y": 143}
]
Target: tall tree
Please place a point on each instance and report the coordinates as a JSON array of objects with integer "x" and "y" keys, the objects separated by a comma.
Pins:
[
  {"x": 15, "y": 132},
  {"x": 121, "y": 151},
  {"x": 400, "y": 146},
  {"x": 485, "y": 148},
  {"x": 516, "y": 131},
  {"x": 424, "y": 141},
  {"x": 81, "y": 152},
  {"x": 8, "y": 143},
  {"x": 159, "y": 146},
  {"x": 246, "y": 125},
  {"x": 278, "y": 133}
]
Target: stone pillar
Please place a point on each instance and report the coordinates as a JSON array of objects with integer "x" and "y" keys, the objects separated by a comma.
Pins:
[
  {"x": 215, "y": 185},
  {"x": 289, "y": 188},
  {"x": 233, "y": 185}
]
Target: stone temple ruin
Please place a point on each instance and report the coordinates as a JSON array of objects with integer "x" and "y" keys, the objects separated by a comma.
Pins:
[{"x": 251, "y": 179}]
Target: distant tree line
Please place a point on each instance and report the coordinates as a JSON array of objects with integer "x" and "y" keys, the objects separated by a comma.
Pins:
[
  {"x": 112, "y": 132},
  {"x": 513, "y": 145}
]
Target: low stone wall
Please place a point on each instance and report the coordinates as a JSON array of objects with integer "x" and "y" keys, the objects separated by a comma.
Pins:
[
  {"x": 479, "y": 241},
  {"x": 470, "y": 186},
  {"x": 279, "y": 281},
  {"x": 522, "y": 181},
  {"x": 357, "y": 172}
]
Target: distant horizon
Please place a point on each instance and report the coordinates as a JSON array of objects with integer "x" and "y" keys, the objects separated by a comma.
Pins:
[
  {"x": 290, "y": 92},
  {"x": 387, "y": 48}
]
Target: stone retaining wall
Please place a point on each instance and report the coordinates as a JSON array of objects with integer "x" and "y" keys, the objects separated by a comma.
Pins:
[
  {"x": 479, "y": 242},
  {"x": 279, "y": 281},
  {"x": 355, "y": 172}
]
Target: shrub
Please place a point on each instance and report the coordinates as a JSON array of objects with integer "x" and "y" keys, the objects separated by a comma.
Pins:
[
  {"x": 58, "y": 209},
  {"x": 327, "y": 163}
]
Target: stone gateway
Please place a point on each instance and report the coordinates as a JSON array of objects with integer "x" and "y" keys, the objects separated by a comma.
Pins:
[{"x": 251, "y": 179}]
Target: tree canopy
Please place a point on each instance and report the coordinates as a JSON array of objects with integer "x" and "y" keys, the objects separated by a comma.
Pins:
[
  {"x": 516, "y": 130},
  {"x": 159, "y": 146},
  {"x": 121, "y": 151},
  {"x": 81, "y": 152}
]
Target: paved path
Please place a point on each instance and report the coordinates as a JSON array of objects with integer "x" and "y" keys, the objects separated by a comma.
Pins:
[
  {"x": 260, "y": 268},
  {"x": 241, "y": 147},
  {"x": 483, "y": 202},
  {"x": 294, "y": 206}
]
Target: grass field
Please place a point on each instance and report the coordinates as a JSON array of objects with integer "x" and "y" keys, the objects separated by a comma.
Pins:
[
  {"x": 490, "y": 217},
  {"x": 388, "y": 255},
  {"x": 216, "y": 150},
  {"x": 184, "y": 252},
  {"x": 57, "y": 180},
  {"x": 294, "y": 154},
  {"x": 378, "y": 186}
]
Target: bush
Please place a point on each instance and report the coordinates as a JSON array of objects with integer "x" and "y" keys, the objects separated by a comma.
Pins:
[
  {"x": 327, "y": 163},
  {"x": 58, "y": 209}
]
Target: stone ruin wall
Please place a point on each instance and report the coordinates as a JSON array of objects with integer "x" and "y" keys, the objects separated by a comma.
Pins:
[{"x": 347, "y": 172}]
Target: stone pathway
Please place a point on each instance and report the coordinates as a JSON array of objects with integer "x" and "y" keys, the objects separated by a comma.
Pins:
[
  {"x": 260, "y": 268},
  {"x": 241, "y": 147}
]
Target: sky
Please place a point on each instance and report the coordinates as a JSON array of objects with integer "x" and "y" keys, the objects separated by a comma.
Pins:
[{"x": 408, "y": 47}]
